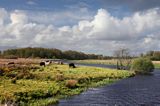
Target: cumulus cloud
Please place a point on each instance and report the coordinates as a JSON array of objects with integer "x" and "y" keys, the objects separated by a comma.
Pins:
[
  {"x": 102, "y": 34},
  {"x": 18, "y": 17}
]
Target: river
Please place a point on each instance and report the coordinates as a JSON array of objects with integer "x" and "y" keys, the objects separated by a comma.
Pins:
[{"x": 135, "y": 91}]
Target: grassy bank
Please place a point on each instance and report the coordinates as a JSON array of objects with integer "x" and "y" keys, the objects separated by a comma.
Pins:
[{"x": 40, "y": 86}]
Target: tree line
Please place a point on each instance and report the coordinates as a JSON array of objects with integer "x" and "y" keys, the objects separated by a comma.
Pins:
[
  {"x": 30, "y": 52},
  {"x": 153, "y": 55}
]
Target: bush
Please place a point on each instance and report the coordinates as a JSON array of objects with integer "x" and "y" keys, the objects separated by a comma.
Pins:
[
  {"x": 59, "y": 77},
  {"x": 71, "y": 83},
  {"x": 24, "y": 74},
  {"x": 4, "y": 70},
  {"x": 142, "y": 66}
]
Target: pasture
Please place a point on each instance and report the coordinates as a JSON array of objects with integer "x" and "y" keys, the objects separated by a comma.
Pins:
[{"x": 26, "y": 83}]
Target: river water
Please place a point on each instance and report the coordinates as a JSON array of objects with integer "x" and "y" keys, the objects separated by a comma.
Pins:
[{"x": 135, "y": 91}]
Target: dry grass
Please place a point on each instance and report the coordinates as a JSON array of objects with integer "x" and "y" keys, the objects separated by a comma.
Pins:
[
  {"x": 156, "y": 62},
  {"x": 19, "y": 61},
  {"x": 71, "y": 83}
]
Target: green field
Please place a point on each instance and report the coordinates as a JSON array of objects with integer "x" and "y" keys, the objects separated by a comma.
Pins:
[
  {"x": 108, "y": 62},
  {"x": 34, "y": 86},
  {"x": 157, "y": 65}
]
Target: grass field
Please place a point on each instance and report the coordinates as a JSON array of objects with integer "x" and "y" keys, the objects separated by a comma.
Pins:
[
  {"x": 33, "y": 85},
  {"x": 156, "y": 64},
  {"x": 109, "y": 62}
]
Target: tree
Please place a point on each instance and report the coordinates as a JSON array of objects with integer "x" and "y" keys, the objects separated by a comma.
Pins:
[
  {"x": 142, "y": 66},
  {"x": 153, "y": 55},
  {"x": 123, "y": 58}
]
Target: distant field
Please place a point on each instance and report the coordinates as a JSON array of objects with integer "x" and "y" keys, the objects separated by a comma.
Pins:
[
  {"x": 26, "y": 83},
  {"x": 156, "y": 64},
  {"x": 109, "y": 62}
]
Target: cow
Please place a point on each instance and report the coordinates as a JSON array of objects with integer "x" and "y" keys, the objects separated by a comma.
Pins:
[
  {"x": 42, "y": 64},
  {"x": 71, "y": 65},
  {"x": 47, "y": 62}
]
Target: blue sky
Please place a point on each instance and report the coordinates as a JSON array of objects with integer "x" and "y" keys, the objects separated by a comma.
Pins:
[
  {"x": 61, "y": 5},
  {"x": 48, "y": 5},
  {"x": 91, "y": 26}
]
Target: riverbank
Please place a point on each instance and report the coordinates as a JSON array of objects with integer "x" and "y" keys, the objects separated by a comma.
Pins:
[
  {"x": 33, "y": 85},
  {"x": 141, "y": 90}
]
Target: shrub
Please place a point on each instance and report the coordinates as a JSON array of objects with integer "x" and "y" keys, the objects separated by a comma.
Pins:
[
  {"x": 26, "y": 96},
  {"x": 24, "y": 74},
  {"x": 59, "y": 77},
  {"x": 142, "y": 66},
  {"x": 71, "y": 83},
  {"x": 4, "y": 70}
]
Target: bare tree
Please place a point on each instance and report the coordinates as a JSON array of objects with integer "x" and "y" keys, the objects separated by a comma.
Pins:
[{"x": 123, "y": 58}]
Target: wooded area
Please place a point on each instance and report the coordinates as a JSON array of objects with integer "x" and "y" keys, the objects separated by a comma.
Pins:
[
  {"x": 48, "y": 53},
  {"x": 30, "y": 52},
  {"x": 153, "y": 55}
]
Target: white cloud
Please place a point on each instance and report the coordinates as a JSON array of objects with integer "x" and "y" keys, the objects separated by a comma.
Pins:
[
  {"x": 31, "y": 3},
  {"x": 3, "y": 15},
  {"x": 18, "y": 17},
  {"x": 103, "y": 34}
]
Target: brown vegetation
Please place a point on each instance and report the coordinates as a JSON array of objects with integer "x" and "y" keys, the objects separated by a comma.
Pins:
[{"x": 71, "y": 83}]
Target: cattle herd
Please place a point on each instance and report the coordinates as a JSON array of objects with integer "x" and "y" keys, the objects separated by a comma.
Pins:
[{"x": 48, "y": 62}]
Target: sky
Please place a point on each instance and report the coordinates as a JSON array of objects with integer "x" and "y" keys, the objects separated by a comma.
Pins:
[{"x": 90, "y": 26}]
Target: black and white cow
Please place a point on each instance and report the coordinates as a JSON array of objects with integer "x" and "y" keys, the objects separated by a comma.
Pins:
[{"x": 44, "y": 63}]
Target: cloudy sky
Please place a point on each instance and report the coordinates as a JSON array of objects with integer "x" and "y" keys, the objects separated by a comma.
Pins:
[{"x": 91, "y": 26}]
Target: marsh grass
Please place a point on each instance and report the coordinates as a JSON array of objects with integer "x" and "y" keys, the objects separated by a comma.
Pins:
[{"x": 54, "y": 82}]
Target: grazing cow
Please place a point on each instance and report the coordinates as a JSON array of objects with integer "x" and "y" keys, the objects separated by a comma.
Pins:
[
  {"x": 71, "y": 65},
  {"x": 42, "y": 64},
  {"x": 10, "y": 63},
  {"x": 47, "y": 62}
]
